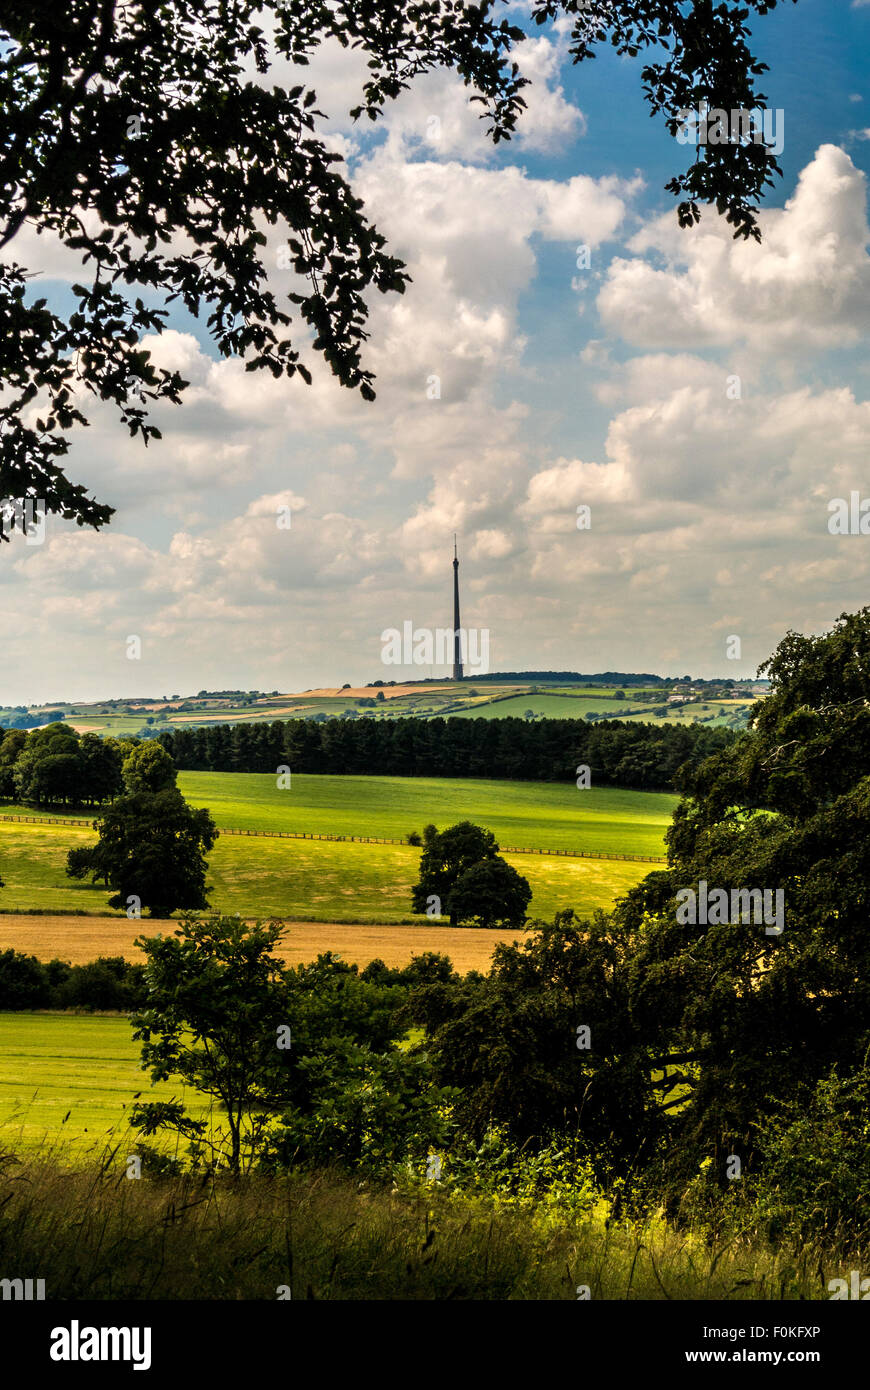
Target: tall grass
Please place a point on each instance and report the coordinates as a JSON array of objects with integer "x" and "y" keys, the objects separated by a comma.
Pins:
[{"x": 91, "y": 1232}]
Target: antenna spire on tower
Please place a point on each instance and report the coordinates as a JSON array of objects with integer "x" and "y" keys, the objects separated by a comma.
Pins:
[{"x": 457, "y": 634}]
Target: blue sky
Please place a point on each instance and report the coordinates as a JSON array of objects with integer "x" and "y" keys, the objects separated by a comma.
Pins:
[{"x": 611, "y": 387}]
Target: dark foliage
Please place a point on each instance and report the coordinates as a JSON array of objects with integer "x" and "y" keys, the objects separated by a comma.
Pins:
[{"x": 623, "y": 754}]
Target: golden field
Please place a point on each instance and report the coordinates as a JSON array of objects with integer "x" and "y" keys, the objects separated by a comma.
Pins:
[{"x": 81, "y": 939}]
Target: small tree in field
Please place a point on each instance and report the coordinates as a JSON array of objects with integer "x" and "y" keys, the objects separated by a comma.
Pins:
[
  {"x": 152, "y": 848},
  {"x": 215, "y": 1001},
  {"x": 490, "y": 894},
  {"x": 448, "y": 857}
]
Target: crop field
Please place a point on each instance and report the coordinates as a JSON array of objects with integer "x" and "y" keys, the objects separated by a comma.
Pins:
[{"x": 80, "y": 939}]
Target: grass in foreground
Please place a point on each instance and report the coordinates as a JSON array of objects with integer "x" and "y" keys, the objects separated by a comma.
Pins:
[{"x": 93, "y": 1233}]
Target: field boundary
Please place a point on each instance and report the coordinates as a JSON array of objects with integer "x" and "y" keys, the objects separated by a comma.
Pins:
[
  {"x": 50, "y": 820},
  {"x": 503, "y": 849},
  {"x": 368, "y": 840}
]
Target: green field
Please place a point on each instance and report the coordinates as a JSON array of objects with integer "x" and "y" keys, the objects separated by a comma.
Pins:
[
  {"x": 70, "y": 1079},
  {"x": 578, "y": 706},
  {"x": 553, "y": 706},
  {"x": 303, "y": 879},
  {"x": 712, "y": 712},
  {"x": 528, "y": 815},
  {"x": 358, "y": 882},
  {"x": 534, "y": 815}
]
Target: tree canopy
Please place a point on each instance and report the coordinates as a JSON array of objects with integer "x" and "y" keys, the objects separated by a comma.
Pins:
[
  {"x": 463, "y": 876},
  {"x": 151, "y": 850},
  {"x": 56, "y": 764},
  {"x": 307, "y": 1064},
  {"x": 765, "y": 1015}
]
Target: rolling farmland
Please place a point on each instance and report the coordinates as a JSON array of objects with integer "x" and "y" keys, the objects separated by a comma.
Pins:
[
  {"x": 70, "y": 1078},
  {"x": 295, "y": 878},
  {"x": 324, "y": 880},
  {"x": 485, "y": 699}
]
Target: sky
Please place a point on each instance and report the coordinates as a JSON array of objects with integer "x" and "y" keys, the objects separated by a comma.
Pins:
[{"x": 706, "y": 399}]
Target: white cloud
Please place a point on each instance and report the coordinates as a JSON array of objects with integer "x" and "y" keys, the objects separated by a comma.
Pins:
[
  {"x": 709, "y": 514},
  {"x": 808, "y": 284}
]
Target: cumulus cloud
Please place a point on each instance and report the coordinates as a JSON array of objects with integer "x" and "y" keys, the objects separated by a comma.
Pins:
[
  {"x": 807, "y": 284},
  {"x": 689, "y": 424}
]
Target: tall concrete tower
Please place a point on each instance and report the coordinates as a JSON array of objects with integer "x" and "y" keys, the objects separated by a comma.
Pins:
[{"x": 457, "y": 640}]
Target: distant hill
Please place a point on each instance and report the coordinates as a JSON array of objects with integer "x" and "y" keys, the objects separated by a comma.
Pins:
[{"x": 600, "y": 678}]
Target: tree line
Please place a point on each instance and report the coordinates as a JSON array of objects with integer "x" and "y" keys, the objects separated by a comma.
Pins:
[
  {"x": 618, "y": 753},
  {"x": 56, "y": 766},
  {"x": 108, "y": 984}
]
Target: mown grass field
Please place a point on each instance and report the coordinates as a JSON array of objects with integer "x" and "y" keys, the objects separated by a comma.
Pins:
[
  {"x": 296, "y": 879},
  {"x": 322, "y": 880},
  {"x": 536, "y": 815},
  {"x": 70, "y": 1080}
]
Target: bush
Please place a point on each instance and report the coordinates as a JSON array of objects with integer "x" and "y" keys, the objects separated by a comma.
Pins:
[
  {"x": 23, "y": 982},
  {"x": 107, "y": 983},
  {"x": 815, "y": 1178}
]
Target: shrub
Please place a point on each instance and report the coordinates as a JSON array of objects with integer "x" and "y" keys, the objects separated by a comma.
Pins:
[
  {"x": 815, "y": 1178},
  {"x": 23, "y": 982}
]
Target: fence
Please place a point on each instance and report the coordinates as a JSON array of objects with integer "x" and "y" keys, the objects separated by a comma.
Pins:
[
  {"x": 371, "y": 840},
  {"x": 53, "y": 820}
]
